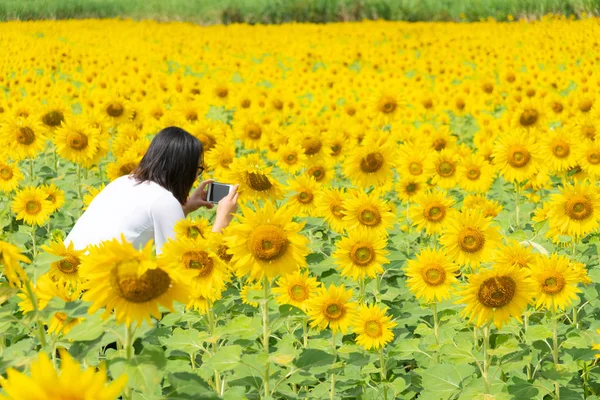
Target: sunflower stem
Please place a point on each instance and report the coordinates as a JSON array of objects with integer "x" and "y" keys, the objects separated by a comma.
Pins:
[
  {"x": 31, "y": 169},
  {"x": 79, "y": 181},
  {"x": 55, "y": 163},
  {"x": 33, "y": 240},
  {"x": 361, "y": 285},
  {"x": 40, "y": 327},
  {"x": 555, "y": 337},
  {"x": 305, "y": 333},
  {"x": 436, "y": 327},
  {"x": 211, "y": 327},
  {"x": 517, "y": 204},
  {"x": 383, "y": 373},
  {"x": 525, "y": 327},
  {"x": 265, "y": 321},
  {"x": 486, "y": 360},
  {"x": 128, "y": 347},
  {"x": 334, "y": 352}
]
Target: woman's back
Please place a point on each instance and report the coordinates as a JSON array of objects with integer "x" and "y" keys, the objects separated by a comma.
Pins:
[{"x": 140, "y": 211}]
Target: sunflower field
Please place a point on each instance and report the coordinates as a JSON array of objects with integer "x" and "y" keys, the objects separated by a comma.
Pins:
[{"x": 419, "y": 212}]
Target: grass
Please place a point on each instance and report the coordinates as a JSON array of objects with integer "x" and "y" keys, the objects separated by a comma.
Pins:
[{"x": 278, "y": 11}]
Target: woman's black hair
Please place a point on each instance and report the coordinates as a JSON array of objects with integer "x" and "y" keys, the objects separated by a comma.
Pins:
[{"x": 171, "y": 161}]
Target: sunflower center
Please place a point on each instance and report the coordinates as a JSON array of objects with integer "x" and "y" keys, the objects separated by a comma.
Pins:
[
  {"x": 25, "y": 136},
  {"x": 298, "y": 292},
  {"x": 53, "y": 118},
  {"x": 518, "y": 157},
  {"x": 336, "y": 149},
  {"x": 415, "y": 168},
  {"x": 33, "y": 207},
  {"x": 411, "y": 187},
  {"x": 268, "y": 242},
  {"x": 434, "y": 212},
  {"x": 6, "y": 173},
  {"x": 245, "y": 103},
  {"x": 222, "y": 92},
  {"x": 115, "y": 110},
  {"x": 579, "y": 207},
  {"x": 593, "y": 157},
  {"x": 253, "y": 131},
  {"x": 589, "y": 131},
  {"x": 258, "y": 182},
  {"x": 362, "y": 254},
  {"x": 371, "y": 163},
  {"x": 334, "y": 311},
  {"x": 585, "y": 105},
  {"x": 223, "y": 254},
  {"x": 68, "y": 265},
  {"x": 140, "y": 289},
  {"x": 193, "y": 232},
  {"x": 529, "y": 117},
  {"x": 77, "y": 140},
  {"x": 191, "y": 115},
  {"x": 317, "y": 172},
  {"x": 312, "y": 146},
  {"x": 460, "y": 104},
  {"x": 470, "y": 240},
  {"x": 126, "y": 169},
  {"x": 557, "y": 107},
  {"x": 560, "y": 148},
  {"x": 199, "y": 261},
  {"x": 305, "y": 197},
  {"x": 434, "y": 275},
  {"x": 445, "y": 168},
  {"x": 553, "y": 284},
  {"x": 291, "y": 159},
  {"x": 497, "y": 292},
  {"x": 369, "y": 216},
  {"x": 387, "y": 104},
  {"x": 439, "y": 144},
  {"x": 337, "y": 210},
  {"x": 373, "y": 328}
]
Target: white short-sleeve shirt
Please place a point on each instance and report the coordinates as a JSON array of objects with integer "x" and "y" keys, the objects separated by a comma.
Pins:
[{"x": 140, "y": 211}]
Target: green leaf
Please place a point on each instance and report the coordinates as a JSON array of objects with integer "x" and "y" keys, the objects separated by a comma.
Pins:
[
  {"x": 522, "y": 390},
  {"x": 187, "y": 340},
  {"x": 186, "y": 383},
  {"x": 537, "y": 332},
  {"x": 225, "y": 359},
  {"x": 445, "y": 380},
  {"x": 311, "y": 358},
  {"x": 88, "y": 329}
]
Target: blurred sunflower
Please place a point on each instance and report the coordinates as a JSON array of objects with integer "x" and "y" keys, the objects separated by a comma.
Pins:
[
  {"x": 575, "y": 210},
  {"x": 475, "y": 174},
  {"x": 304, "y": 191},
  {"x": 192, "y": 228},
  {"x": 513, "y": 253},
  {"x": 10, "y": 176},
  {"x": 10, "y": 256},
  {"x": 370, "y": 165},
  {"x": 23, "y": 138},
  {"x": 517, "y": 156},
  {"x": 77, "y": 142},
  {"x": 56, "y": 196},
  {"x": 66, "y": 269},
  {"x": 330, "y": 206},
  {"x": 291, "y": 157},
  {"x": 557, "y": 149}
]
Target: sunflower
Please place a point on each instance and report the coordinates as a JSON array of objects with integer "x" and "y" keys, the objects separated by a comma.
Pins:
[
  {"x": 517, "y": 156},
  {"x": 291, "y": 157},
  {"x": 443, "y": 169},
  {"x": 31, "y": 204},
  {"x": 368, "y": 213},
  {"x": 118, "y": 277},
  {"x": 587, "y": 155},
  {"x": 370, "y": 165},
  {"x": 254, "y": 178},
  {"x": 92, "y": 192},
  {"x": 432, "y": 211},
  {"x": 296, "y": 289},
  {"x": 116, "y": 110},
  {"x": 575, "y": 210},
  {"x": 55, "y": 196},
  {"x": 70, "y": 383},
  {"x": 23, "y": 138},
  {"x": 373, "y": 327},
  {"x": 408, "y": 189},
  {"x": 332, "y": 308},
  {"x": 249, "y": 287},
  {"x": 475, "y": 174},
  {"x": 220, "y": 157},
  {"x": 77, "y": 142},
  {"x": 194, "y": 261},
  {"x": 201, "y": 303},
  {"x": 10, "y": 175},
  {"x": 513, "y": 254},
  {"x": 321, "y": 169},
  {"x": 266, "y": 243},
  {"x": 330, "y": 206},
  {"x": 10, "y": 256},
  {"x": 385, "y": 106},
  {"x": 432, "y": 275},
  {"x": 123, "y": 166},
  {"x": 529, "y": 115},
  {"x": 53, "y": 114},
  {"x": 192, "y": 228},
  {"x": 557, "y": 150},
  {"x": 470, "y": 238},
  {"x": 360, "y": 255},
  {"x": 496, "y": 295},
  {"x": 305, "y": 191},
  {"x": 250, "y": 130},
  {"x": 489, "y": 208},
  {"x": 66, "y": 269},
  {"x": 413, "y": 161},
  {"x": 555, "y": 282}
]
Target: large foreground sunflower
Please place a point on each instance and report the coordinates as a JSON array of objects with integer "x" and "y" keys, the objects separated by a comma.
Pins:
[
  {"x": 431, "y": 275},
  {"x": 70, "y": 383},
  {"x": 496, "y": 295},
  {"x": 266, "y": 242},
  {"x": 332, "y": 308},
  {"x": 118, "y": 277},
  {"x": 361, "y": 255},
  {"x": 555, "y": 281},
  {"x": 517, "y": 156}
]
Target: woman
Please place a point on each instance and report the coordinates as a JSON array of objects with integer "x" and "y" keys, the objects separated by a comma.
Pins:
[{"x": 148, "y": 203}]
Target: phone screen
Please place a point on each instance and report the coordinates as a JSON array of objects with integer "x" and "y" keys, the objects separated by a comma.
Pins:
[{"x": 217, "y": 192}]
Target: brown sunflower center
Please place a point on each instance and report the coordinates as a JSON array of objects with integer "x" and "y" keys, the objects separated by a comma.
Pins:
[
  {"x": 33, "y": 207},
  {"x": 369, "y": 216},
  {"x": 518, "y": 156},
  {"x": 439, "y": 144},
  {"x": 371, "y": 163},
  {"x": 336, "y": 149},
  {"x": 312, "y": 145},
  {"x": 387, "y": 104},
  {"x": 446, "y": 168},
  {"x": 140, "y": 289},
  {"x": 258, "y": 182},
  {"x": 291, "y": 159},
  {"x": 529, "y": 117},
  {"x": 221, "y": 91},
  {"x": 470, "y": 240},
  {"x": 317, "y": 172},
  {"x": 68, "y": 265},
  {"x": 373, "y": 329},
  {"x": 225, "y": 161},
  {"x": 337, "y": 210},
  {"x": 415, "y": 168},
  {"x": 298, "y": 292},
  {"x": 579, "y": 207},
  {"x": 305, "y": 197},
  {"x": 585, "y": 105},
  {"x": 434, "y": 212},
  {"x": 497, "y": 292},
  {"x": 589, "y": 131},
  {"x": 253, "y": 131},
  {"x": 115, "y": 109},
  {"x": 268, "y": 242},
  {"x": 334, "y": 311},
  {"x": 199, "y": 261},
  {"x": 411, "y": 187},
  {"x": 362, "y": 254},
  {"x": 552, "y": 283},
  {"x": 560, "y": 148},
  {"x": 77, "y": 140},
  {"x": 53, "y": 118},
  {"x": 593, "y": 156},
  {"x": 223, "y": 253},
  {"x": 6, "y": 173},
  {"x": 557, "y": 107},
  {"x": 434, "y": 275},
  {"x": 473, "y": 173},
  {"x": 25, "y": 136}
]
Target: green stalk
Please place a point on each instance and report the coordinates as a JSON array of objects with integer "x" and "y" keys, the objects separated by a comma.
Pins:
[
  {"x": 435, "y": 323},
  {"x": 31, "y": 169},
  {"x": 40, "y": 327},
  {"x": 79, "y": 181},
  {"x": 305, "y": 333},
  {"x": 555, "y": 346},
  {"x": 34, "y": 241},
  {"x": 211, "y": 328},
  {"x": 486, "y": 359},
  {"x": 361, "y": 285},
  {"x": 525, "y": 327},
  {"x": 334, "y": 352},
  {"x": 517, "y": 204},
  {"x": 128, "y": 353},
  {"x": 383, "y": 373},
  {"x": 265, "y": 321}
]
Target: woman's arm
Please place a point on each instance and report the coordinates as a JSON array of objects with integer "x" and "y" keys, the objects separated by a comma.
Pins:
[
  {"x": 197, "y": 199},
  {"x": 225, "y": 210},
  {"x": 165, "y": 213}
]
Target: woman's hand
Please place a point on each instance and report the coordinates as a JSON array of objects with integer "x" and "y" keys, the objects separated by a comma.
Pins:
[
  {"x": 197, "y": 199},
  {"x": 225, "y": 210}
]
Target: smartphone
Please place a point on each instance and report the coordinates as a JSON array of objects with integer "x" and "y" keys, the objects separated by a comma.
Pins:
[{"x": 216, "y": 191}]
